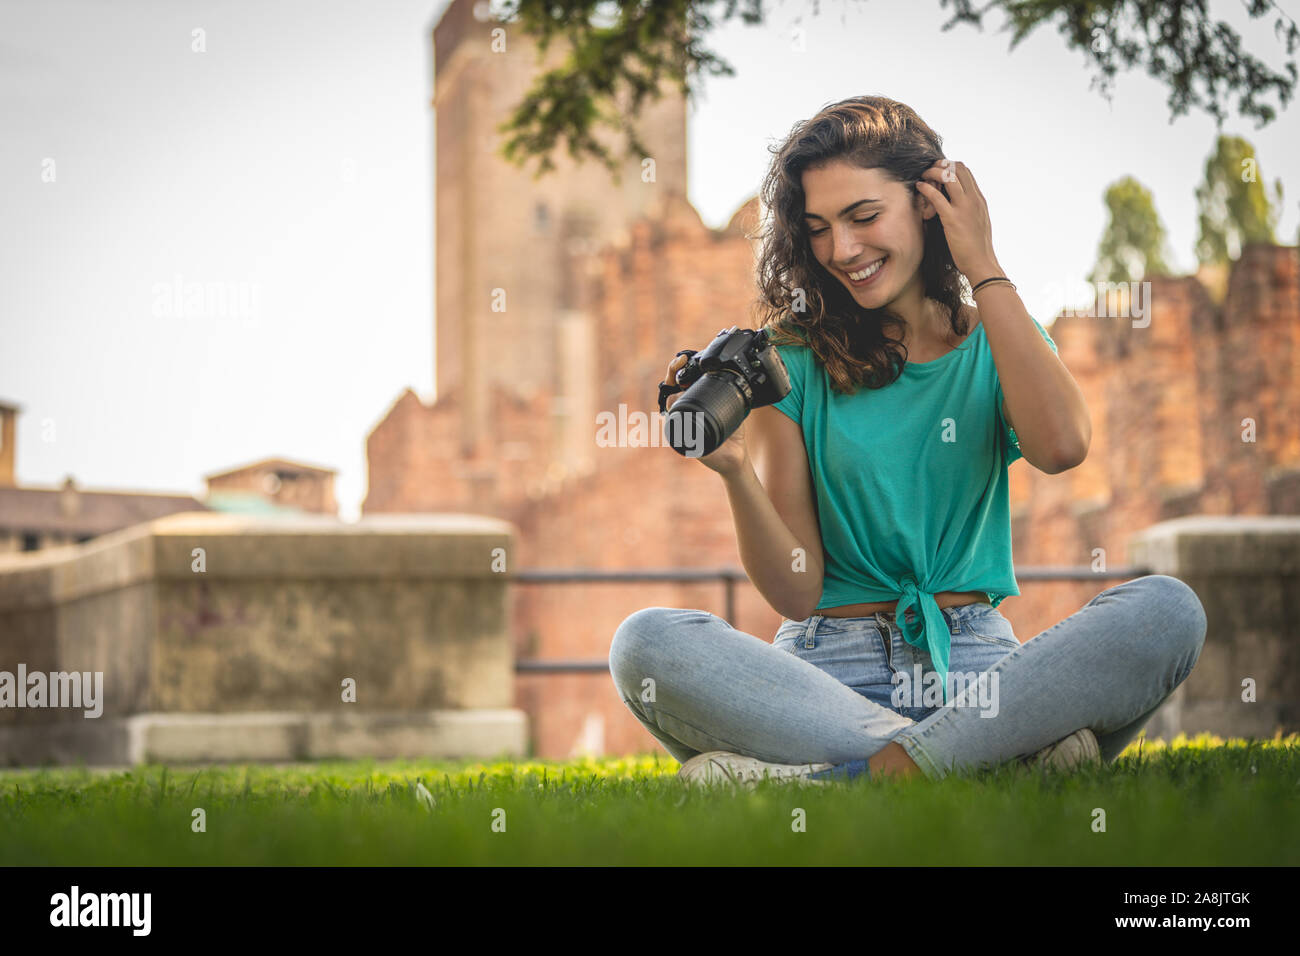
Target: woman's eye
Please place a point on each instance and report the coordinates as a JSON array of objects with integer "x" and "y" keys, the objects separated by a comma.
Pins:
[{"x": 818, "y": 232}]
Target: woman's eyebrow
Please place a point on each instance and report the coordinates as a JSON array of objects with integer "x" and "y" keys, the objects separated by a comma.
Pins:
[{"x": 846, "y": 210}]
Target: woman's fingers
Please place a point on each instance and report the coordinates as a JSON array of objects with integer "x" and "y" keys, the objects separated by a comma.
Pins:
[
  {"x": 937, "y": 199},
  {"x": 671, "y": 378},
  {"x": 950, "y": 174},
  {"x": 673, "y": 366}
]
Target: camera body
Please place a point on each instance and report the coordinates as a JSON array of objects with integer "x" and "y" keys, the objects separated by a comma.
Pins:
[{"x": 737, "y": 372}]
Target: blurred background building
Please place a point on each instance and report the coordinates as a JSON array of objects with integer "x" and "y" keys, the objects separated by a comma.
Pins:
[{"x": 33, "y": 518}]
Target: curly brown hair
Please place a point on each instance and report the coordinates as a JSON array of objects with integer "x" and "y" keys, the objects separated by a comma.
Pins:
[{"x": 870, "y": 132}]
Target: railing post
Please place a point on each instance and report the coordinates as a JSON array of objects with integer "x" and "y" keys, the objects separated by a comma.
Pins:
[{"x": 729, "y": 584}]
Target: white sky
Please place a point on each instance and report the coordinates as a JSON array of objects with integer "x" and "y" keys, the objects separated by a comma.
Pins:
[{"x": 290, "y": 165}]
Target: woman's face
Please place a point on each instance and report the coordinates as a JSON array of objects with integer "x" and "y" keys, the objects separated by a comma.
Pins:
[{"x": 856, "y": 218}]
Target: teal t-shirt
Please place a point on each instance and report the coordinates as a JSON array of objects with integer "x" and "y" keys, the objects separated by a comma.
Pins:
[{"x": 911, "y": 484}]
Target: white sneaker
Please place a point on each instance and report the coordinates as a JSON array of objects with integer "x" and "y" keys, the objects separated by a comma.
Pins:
[
  {"x": 1076, "y": 750},
  {"x": 719, "y": 766}
]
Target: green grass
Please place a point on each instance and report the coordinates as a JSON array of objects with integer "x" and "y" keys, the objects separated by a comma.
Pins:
[{"x": 1198, "y": 802}]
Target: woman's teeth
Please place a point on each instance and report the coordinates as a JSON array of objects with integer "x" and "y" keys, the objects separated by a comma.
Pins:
[{"x": 868, "y": 271}]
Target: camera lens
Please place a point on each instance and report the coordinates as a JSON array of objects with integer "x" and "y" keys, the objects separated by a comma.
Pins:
[{"x": 706, "y": 415}]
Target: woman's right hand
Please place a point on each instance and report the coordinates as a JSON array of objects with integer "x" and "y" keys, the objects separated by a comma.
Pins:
[{"x": 727, "y": 458}]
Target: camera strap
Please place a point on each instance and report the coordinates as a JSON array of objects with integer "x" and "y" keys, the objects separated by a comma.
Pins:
[{"x": 666, "y": 389}]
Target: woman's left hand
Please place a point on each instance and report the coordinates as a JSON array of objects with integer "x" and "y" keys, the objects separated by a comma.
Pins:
[{"x": 965, "y": 218}]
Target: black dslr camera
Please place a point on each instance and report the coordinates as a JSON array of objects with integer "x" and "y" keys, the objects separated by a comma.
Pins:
[{"x": 737, "y": 372}]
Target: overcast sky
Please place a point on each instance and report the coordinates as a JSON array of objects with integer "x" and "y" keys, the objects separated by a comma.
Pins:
[{"x": 287, "y": 171}]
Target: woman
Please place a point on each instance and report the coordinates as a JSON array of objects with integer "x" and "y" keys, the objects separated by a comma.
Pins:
[{"x": 871, "y": 502}]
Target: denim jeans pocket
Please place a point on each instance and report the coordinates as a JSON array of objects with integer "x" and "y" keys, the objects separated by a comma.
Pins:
[
  {"x": 987, "y": 623},
  {"x": 788, "y": 633}
]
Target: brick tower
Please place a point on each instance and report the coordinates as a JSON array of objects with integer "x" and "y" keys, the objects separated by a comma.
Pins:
[{"x": 507, "y": 247}]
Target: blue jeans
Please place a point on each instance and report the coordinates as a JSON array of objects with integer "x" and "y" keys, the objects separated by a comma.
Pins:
[{"x": 832, "y": 690}]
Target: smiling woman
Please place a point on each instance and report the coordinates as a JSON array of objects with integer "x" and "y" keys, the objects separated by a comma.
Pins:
[
  {"x": 875, "y": 250},
  {"x": 873, "y": 253},
  {"x": 875, "y": 512}
]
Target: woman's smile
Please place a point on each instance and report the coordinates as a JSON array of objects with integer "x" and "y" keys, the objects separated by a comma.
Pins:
[{"x": 867, "y": 275}]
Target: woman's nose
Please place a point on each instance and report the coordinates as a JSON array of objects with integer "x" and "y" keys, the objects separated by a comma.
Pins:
[{"x": 844, "y": 248}]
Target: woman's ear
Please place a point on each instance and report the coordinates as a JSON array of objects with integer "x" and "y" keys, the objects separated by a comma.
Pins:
[{"x": 923, "y": 205}]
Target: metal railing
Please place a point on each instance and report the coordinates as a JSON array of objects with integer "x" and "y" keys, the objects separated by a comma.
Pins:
[{"x": 729, "y": 577}]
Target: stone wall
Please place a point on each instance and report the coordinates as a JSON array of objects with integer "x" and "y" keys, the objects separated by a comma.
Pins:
[
  {"x": 1246, "y": 572},
  {"x": 230, "y": 637}
]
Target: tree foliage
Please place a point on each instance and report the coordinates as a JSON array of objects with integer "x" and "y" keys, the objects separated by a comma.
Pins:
[
  {"x": 1132, "y": 246},
  {"x": 1233, "y": 206},
  {"x": 620, "y": 53}
]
